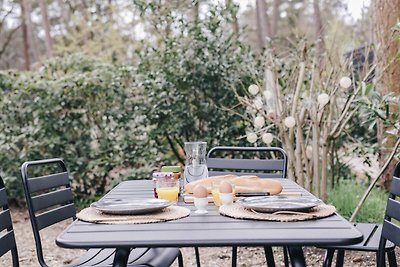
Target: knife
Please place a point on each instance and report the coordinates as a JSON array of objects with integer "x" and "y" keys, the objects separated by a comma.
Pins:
[{"x": 251, "y": 194}]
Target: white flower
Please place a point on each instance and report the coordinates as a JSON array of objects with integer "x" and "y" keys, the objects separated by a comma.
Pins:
[
  {"x": 267, "y": 138},
  {"x": 253, "y": 89},
  {"x": 252, "y": 137},
  {"x": 323, "y": 99},
  {"x": 258, "y": 103},
  {"x": 268, "y": 94},
  {"x": 345, "y": 82},
  {"x": 289, "y": 122},
  {"x": 259, "y": 121}
]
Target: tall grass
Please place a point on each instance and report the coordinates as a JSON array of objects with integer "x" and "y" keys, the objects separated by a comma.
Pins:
[{"x": 346, "y": 195}]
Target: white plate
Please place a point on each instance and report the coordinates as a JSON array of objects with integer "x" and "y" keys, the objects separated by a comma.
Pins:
[
  {"x": 279, "y": 203},
  {"x": 131, "y": 206}
]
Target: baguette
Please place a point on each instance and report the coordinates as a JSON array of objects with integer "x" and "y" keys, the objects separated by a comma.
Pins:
[
  {"x": 250, "y": 184},
  {"x": 243, "y": 184},
  {"x": 207, "y": 182}
]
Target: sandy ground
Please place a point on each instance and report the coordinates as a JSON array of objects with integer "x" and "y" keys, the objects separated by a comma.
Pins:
[{"x": 210, "y": 257}]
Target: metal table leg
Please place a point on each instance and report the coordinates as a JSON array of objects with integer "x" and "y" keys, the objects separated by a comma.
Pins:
[
  {"x": 296, "y": 256},
  {"x": 121, "y": 257}
]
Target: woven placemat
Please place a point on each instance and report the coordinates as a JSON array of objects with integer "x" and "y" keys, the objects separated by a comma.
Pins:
[
  {"x": 169, "y": 213},
  {"x": 239, "y": 212}
]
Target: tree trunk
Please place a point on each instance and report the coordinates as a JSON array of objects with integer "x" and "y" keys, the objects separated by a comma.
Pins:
[
  {"x": 31, "y": 32},
  {"x": 196, "y": 11},
  {"x": 319, "y": 29},
  {"x": 25, "y": 36},
  {"x": 46, "y": 26},
  {"x": 65, "y": 13},
  {"x": 260, "y": 10},
  {"x": 387, "y": 14},
  {"x": 275, "y": 18},
  {"x": 235, "y": 24}
]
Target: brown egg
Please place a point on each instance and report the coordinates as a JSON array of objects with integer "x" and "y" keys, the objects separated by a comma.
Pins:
[
  {"x": 225, "y": 187},
  {"x": 200, "y": 191}
]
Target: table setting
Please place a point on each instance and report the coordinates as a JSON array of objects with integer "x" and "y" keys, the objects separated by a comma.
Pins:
[{"x": 240, "y": 197}]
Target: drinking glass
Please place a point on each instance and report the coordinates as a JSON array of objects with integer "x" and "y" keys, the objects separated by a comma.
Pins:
[{"x": 167, "y": 189}]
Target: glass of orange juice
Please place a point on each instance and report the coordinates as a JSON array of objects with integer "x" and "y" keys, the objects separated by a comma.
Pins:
[
  {"x": 167, "y": 189},
  {"x": 215, "y": 194}
]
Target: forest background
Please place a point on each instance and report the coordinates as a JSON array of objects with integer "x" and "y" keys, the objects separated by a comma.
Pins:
[{"x": 116, "y": 87}]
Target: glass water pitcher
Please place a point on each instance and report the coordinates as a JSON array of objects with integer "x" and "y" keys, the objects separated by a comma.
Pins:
[{"x": 196, "y": 166}]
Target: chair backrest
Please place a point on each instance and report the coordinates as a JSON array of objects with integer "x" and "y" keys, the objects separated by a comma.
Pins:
[
  {"x": 391, "y": 230},
  {"x": 266, "y": 162},
  {"x": 48, "y": 196},
  {"x": 7, "y": 239}
]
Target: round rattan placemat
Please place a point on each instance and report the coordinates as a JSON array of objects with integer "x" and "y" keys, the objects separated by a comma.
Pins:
[
  {"x": 239, "y": 212},
  {"x": 169, "y": 213}
]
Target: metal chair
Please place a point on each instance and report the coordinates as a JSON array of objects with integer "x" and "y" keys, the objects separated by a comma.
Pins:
[
  {"x": 50, "y": 200},
  {"x": 265, "y": 162},
  {"x": 378, "y": 238},
  {"x": 7, "y": 240}
]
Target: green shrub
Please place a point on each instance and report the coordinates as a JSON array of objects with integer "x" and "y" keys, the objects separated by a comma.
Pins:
[
  {"x": 346, "y": 195},
  {"x": 188, "y": 82},
  {"x": 85, "y": 111}
]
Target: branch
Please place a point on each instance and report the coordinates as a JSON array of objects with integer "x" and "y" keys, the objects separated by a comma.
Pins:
[
  {"x": 359, "y": 205},
  {"x": 8, "y": 40},
  {"x": 171, "y": 144},
  {"x": 344, "y": 111},
  {"x": 5, "y": 16},
  {"x": 296, "y": 96}
]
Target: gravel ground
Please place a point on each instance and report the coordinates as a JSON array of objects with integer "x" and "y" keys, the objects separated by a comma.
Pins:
[{"x": 210, "y": 257}]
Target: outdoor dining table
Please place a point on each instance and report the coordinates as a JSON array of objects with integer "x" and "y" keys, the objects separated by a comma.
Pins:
[{"x": 208, "y": 230}]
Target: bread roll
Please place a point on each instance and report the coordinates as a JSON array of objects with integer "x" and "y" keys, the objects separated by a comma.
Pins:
[{"x": 207, "y": 182}]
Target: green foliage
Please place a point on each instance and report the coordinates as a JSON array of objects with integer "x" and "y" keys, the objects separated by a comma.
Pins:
[
  {"x": 82, "y": 110},
  {"x": 346, "y": 195},
  {"x": 188, "y": 81}
]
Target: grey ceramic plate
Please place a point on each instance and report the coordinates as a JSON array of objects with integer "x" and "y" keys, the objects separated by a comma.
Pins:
[
  {"x": 133, "y": 206},
  {"x": 279, "y": 203}
]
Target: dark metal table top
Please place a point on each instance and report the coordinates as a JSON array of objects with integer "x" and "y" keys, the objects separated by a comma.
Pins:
[{"x": 210, "y": 229}]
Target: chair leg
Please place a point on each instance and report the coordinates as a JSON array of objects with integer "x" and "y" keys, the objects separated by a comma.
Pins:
[
  {"x": 328, "y": 257},
  {"x": 340, "y": 258},
  {"x": 285, "y": 256},
  {"x": 121, "y": 257},
  {"x": 196, "y": 250},
  {"x": 234, "y": 256},
  {"x": 392, "y": 258},
  {"x": 180, "y": 259},
  {"x": 269, "y": 256},
  {"x": 296, "y": 256}
]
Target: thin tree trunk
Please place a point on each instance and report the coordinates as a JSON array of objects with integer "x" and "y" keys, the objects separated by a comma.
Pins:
[
  {"x": 315, "y": 150},
  {"x": 196, "y": 11},
  {"x": 324, "y": 170},
  {"x": 275, "y": 18},
  {"x": 31, "y": 32},
  {"x": 235, "y": 24},
  {"x": 260, "y": 23},
  {"x": 387, "y": 14},
  {"x": 65, "y": 13},
  {"x": 46, "y": 26},
  {"x": 319, "y": 29},
  {"x": 25, "y": 36}
]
